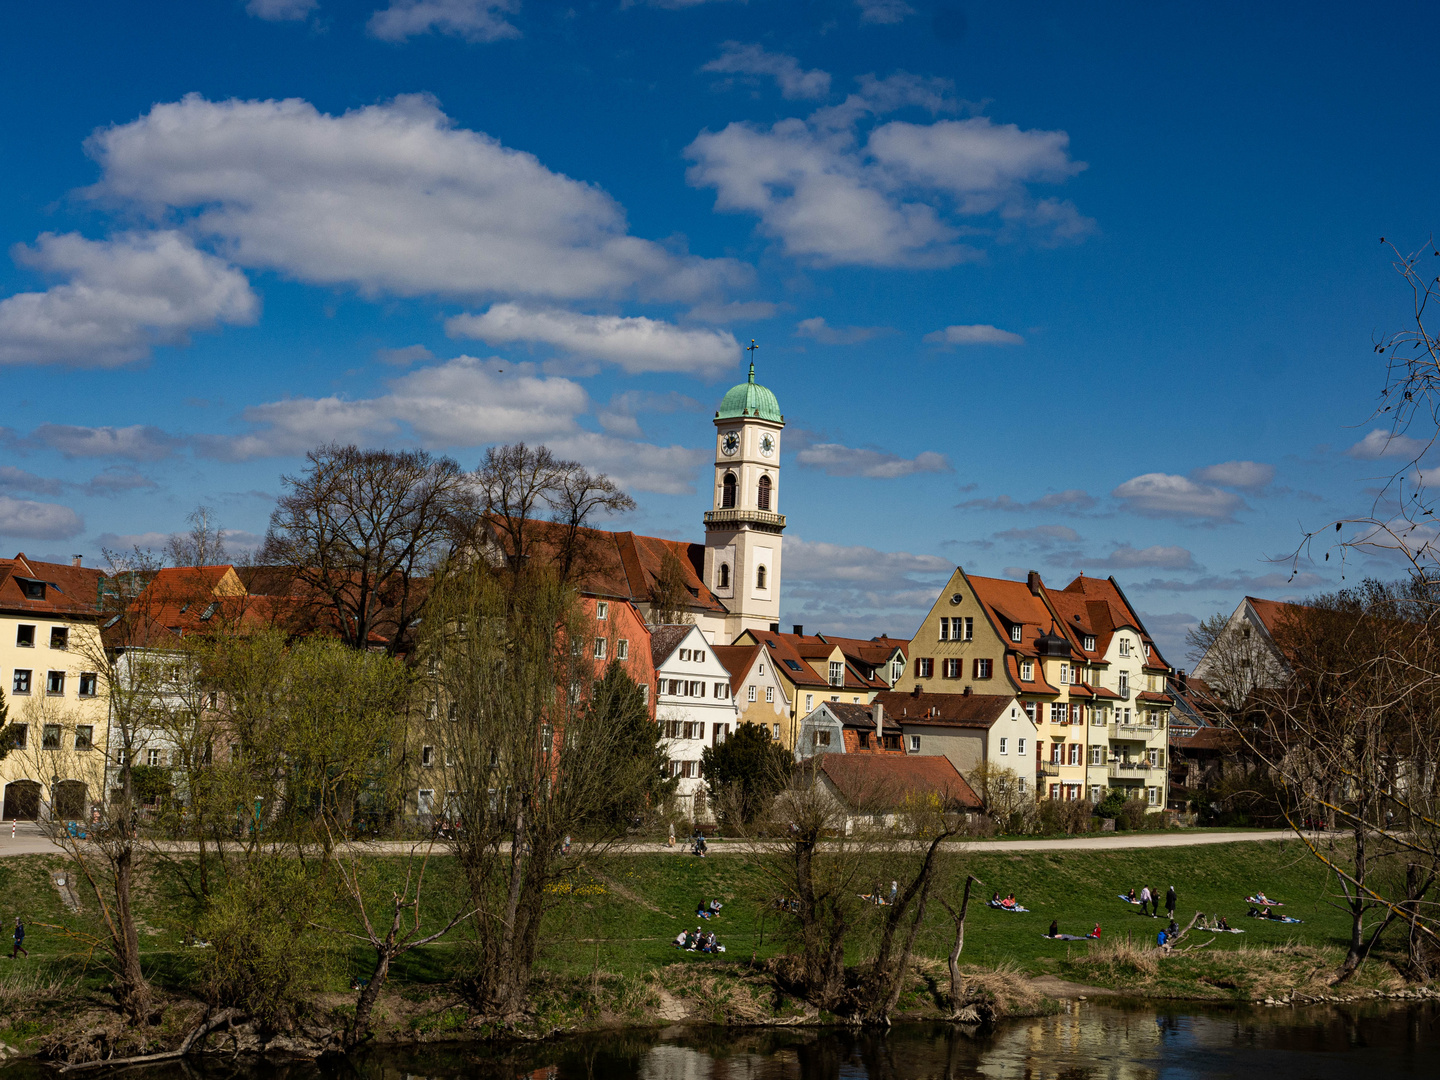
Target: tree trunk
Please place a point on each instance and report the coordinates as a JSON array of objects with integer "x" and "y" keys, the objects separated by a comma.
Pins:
[
  {"x": 365, "y": 1005},
  {"x": 957, "y": 982},
  {"x": 131, "y": 989}
]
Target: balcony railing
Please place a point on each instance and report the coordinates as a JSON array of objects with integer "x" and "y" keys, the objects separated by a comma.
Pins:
[
  {"x": 1143, "y": 730},
  {"x": 1137, "y": 770},
  {"x": 725, "y": 519}
]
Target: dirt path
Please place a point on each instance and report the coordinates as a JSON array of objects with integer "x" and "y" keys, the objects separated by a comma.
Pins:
[{"x": 1053, "y": 987}]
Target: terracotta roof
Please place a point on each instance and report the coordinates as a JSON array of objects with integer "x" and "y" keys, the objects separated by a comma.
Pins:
[
  {"x": 665, "y": 639},
  {"x": 873, "y": 651},
  {"x": 1010, "y": 603},
  {"x": 1106, "y": 604},
  {"x": 1204, "y": 738},
  {"x": 1273, "y": 612},
  {"x": 956, "y": 710},
  {"x": 739, "y": 660},
  {"x": 884, "y": 780},
  {"x": 1151, "y": 695},
  {"x": 1037, "y": 685},
  {"x": 792, "y": 651},
  {"x": 67, "y": 591}
]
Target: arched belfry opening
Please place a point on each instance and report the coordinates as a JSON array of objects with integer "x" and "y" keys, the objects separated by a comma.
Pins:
[
  {"x": 727, "y": 492},
  {"x": 762, "y": 495}
]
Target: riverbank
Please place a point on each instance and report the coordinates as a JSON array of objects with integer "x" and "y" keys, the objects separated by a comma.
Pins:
[{"x": 609, "y": 959}]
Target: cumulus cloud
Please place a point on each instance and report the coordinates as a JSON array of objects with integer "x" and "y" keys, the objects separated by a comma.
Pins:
[
  {"x": 110, "y": 481},
  {"x": 978, "y": 334},
  {"x": 138, "y": 442},
  {"x": 818, "y": 561},
  {"x": 1382, "y": 444},
  {"x": 635, "y": 344},
  {"x": 390, "y": 198},
  {"x": 121, "y": 297},
  {"x": 883, "y": 11},
  {"x": 1165, "y": 495},
  {"x": 837, "y": 460},
  {"x": 1248, "y": 475},
  {"x": 734, "y": 311},
  {"x": 29, "y": 520},
  {"x": 620, "y": 416},
  {"x": 794, "y": 81},
  {"x": 404, "y": 357},
  {"x": 855, "y": 589},
  {"x": 13, "y": 479},
  {"x": 1157, "y": 556},
  {"x": 1237, "y": 582},
  {"x": 117, "y": 480},
  {"x": 818, "y": 329},
  {"x": 472, "y": 20},
  {"x": 1071, "y": 500},
  {"x": 281, "y": 10},
  {"x": 903, "y": 195},
  {"x": 1040, "y": 535}
]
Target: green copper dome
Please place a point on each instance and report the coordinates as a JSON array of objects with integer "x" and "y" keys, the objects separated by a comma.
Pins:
[{"x": 749, "y": 399}]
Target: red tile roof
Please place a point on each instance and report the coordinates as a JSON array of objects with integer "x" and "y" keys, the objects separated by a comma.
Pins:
[
  {"x": 739, "y": 660},
  {"x": 883, "y": 781},
  {"x": 955, "y": 710},
  {"x": 1273, "y": 612},
  {"x": 1107, "y": 608},
  {"x": 68, "y": 591}
]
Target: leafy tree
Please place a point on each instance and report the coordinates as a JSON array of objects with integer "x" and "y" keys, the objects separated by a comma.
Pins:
[
  {"x": 745, "y": 772},
  {"x": 617, "y": 702}
]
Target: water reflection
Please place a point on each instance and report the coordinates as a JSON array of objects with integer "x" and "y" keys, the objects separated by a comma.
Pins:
[{"x": 1090, "y": 1042}]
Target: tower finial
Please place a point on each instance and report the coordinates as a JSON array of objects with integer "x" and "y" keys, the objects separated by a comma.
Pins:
[{"x": 751, "y": 350}]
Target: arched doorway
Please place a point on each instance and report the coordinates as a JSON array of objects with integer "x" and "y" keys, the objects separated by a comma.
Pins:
[
  {"x": 22, "y": 800},
  {"x": 71, "y": 801}
]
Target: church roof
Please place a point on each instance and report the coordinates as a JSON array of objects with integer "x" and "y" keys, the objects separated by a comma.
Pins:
[{"x": 749, "y": 399}]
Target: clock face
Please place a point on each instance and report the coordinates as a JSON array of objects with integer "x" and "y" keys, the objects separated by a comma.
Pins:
[
  {"x": 767, "y": 444},
  {"x": 729, "y": 443}
]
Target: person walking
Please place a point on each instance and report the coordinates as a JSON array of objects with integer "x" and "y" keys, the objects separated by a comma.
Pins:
[
  {"x": 1145, "y": 900},
  {"x": 1170, "y": 903},
  {"x": 19, "y": 941},
  {"x": 1154, "y": 903}
]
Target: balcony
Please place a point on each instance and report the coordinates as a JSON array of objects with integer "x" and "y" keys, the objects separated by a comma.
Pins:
[
  {"x": 1134, "y": 770},
  {"x": 1137, "y": 731},
  {"x": 764, "y": 520}
]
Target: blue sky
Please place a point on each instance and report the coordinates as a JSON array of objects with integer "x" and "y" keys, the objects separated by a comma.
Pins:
[{"x": 1039, "y": 287}]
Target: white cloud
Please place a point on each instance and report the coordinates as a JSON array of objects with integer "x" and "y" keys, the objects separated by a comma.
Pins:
[
  {"x": 883, "y": 11},
  {"x": 404, "y": 357},
  {"x": 13, "y": 479},
  {"x": 138, "y": 442},
  {"x": 818, "y": 561},
  {"x": 620, "y": 414},
  {"x": 837, "y": 460},
  {"x": 29, "y": 520},
  {"x": 1040, "y": 535},
  {"x": 281, "y": 10},
  {"x": 904, "y": 196},
  {"x": 735, "y": 311},
  {"x": 1158, "y": 556},
  {"x": 115, "y": 479},
  {"x": 125, "y": 542},
  {"x": 1250, "y": 475},
  {"x": 1253, "y": 584},
  {"x": 818, "y": 329},
  {"x": 978, "y": 334},
  {"x": 1164, "y": 495},
  {"x": 1071, "y": 500},
  {"x": 635, "y": 344},
  {"x": 1382, "y": 444},
  {"x": 121, "y": 297},
  {"x": 389, "y": 198},
  {"x": 472, "y": 20},
  {"x": 635, "y": 466},
  {"x": 794, "y": 81}
]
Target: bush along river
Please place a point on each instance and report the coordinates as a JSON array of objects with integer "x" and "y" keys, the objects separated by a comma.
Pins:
[{"x": 1088, "y": 1041}]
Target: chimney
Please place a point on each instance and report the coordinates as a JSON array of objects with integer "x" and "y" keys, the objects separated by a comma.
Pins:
[
  {"x": 774, "y": 628},
  {"x": 75, "y": 560},
  {"x": 1033, "y": 580},
  {"x": 915, "y": 691},
  {"x": 879, "y": 722},
  {"x": 966, "y": 692},
  {"x": 799, "y": 630},
  {"x": 1180, "y": 679}
]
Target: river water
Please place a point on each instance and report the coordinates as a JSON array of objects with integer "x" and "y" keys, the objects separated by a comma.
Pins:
[{"x": 1090, "y": 1042}]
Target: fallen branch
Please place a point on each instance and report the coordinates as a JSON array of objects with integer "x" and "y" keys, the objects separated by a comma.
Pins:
[{"x": 204, "y": 1028}]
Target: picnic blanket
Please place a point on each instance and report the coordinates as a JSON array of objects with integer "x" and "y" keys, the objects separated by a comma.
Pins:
[
  {"x": 1218, "y": 930},
  {"x": 1068, "y": 937},
  {"x": 1276, "y": 918},
  {"x": 1266, "y": 901},
  {"x": 1128, "y": 900},
  {"x": 1002, "y": 907}
]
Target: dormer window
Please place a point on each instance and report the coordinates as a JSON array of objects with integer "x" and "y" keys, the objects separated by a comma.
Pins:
[
  {"x": 762, "y": 496},
  {"x": 1124, "y": 646},
  {"x": 1088, "y": 643},
  {"x": 727, "y": 492},
  {"x": 1027, "y": 671},
  {"x": 1016, "y": 631},
  {"x": 837, "y": 673},
  {"x": 33, "y": 590}
]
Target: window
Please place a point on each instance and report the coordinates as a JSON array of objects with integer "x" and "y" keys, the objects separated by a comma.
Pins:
[
  {"x": 1030, "y": 710},
  {"x": 719, "y": 733},
  {"x": 1004, "y": 745},
  {"x": 84, "y": 737},
  {"x": 622, "y": 649},
  {"x": 1152, "y": 796},
  {"x": 924, "y": 667},
  {"x": 1016, "y": 631},
  {"x": 1095, "y": 792},
  {"x": 822, "y": 738},
  {"x": 602, "y": 610},
  {"x": 809, "y": 702},
  {"x": 152, "y": 757},
  {"x": 793, "y": 666},
  {"x": 945, "y": 629},
  {"x": 950, "y": 667},
  {"x": 1054, "y": 791},
  {"x": 1064, "y": 674},
  {"x": 724, "y": 577},
  {"x": 1124, "y": 646},
  {"x": 50, "y": 737},
  {"x": 1057, "y": 753},
  {"x": 697, "y": 656},
  {"x": 19, "y": 736},
  {"x": 1123, "y": 715},
  {"x": 425, "y": 802},
  {"x": 775, "y": 731},
  {"x": 697, "y": 689},
  {"x": 727, "y": 492},
  {"x": 1088, "y": 643},
  {"x": 1027, "y": 671},
  {"x": 34, "y": 590},
  {"x": 59, "y": 637},
  {"x": 55, "y": 683},
  {"x": 25, "y": 637},
  {"x": 760, "y": 577},
  {"x": 670, "y": 686},
  {"x": 1097, "y": 717},
  {"x": 750, "y": 692},
  {"x": 762, "y": 496},
  {"x": 599, "y": 648},
  {"x": 1124, "y": 683},
  {"x": 1154, "y": 756},
  {"x": 914, "y": 744},
  {"x": 1059, "y": 711},
  {"x": 760, "y": 669},
  {"x": 837, "y": 673},
  {"x": 770, "y": 695},
  {"x": 984, "y": 669},
  {"x": 1075, "y": 753},
  {"x": 969, "y": 628},
  {"x": 684, "y": 654},
  {"x": 427, "y": 757},
  {"x": 21, "y": 684},
  {"x": 1020, "y": 747},
  {"x": 645, "y": 693},
  {"x": 1020, "y": 785}
]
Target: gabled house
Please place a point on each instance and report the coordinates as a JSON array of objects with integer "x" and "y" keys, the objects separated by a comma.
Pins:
[
  {"x": 969, "y": 729},
  {"x": 814, "y": 669},
  {"x": 756, "y": 687},
  {"x": 874, "y": 790},
  {"x": 840, "y": 727},
  {"x": 694, "y": 706}
]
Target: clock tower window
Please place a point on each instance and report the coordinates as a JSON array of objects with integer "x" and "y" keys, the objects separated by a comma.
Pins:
[
  {"x": 727, "y": 492},
  {"x": 760, "y": 578},
  {"x": 724, "y": 575},
  {"x": 764, "y": 495}
]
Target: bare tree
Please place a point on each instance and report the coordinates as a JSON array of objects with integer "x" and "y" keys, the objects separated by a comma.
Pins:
[
  {"x": 363, "y": 531},
  {"x": 202, "y": 545}
]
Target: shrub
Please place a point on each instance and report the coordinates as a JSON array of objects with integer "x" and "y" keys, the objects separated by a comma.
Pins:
[{"x": 1134, "y": 815}]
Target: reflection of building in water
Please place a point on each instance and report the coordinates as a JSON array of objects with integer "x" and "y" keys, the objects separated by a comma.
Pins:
[
  {"x": 1093, "y": 1044},
  {"x": 670, "y": 1062}
]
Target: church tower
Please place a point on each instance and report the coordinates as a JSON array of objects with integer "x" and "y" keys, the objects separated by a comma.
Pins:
[{"x": 743, "y": 529}]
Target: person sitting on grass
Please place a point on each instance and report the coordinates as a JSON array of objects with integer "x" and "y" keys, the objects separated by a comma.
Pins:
[
  {"x": 1095, "y": 933},
  {"x": 715, "y": 907},
  {"x": 1223, "y": 924},
  {"x": 1054, "y": 928},
  {"x": 995, "y": 900},
  {"x": 1131, "y": 895},
  {"x": 1008, "y": 902}
]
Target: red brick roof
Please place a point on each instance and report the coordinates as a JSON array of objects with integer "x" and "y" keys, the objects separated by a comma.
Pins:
[{"x": 875, "y": 781}]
